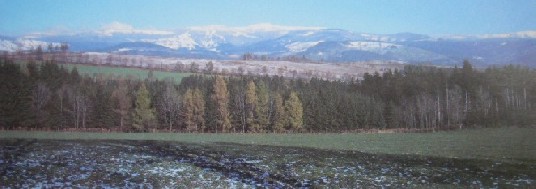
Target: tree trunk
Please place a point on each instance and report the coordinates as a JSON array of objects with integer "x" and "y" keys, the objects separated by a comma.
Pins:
[
  {"x": 121, "y": 124},
  {"x": 525, "y": 98},
  {"x": 448, "y": 110},
  {"x": 466, "y": 102},
  {"x": 84, "y": 119},
  {"x": 438, "y": 112},
  {"x": 61, "y": 110}
]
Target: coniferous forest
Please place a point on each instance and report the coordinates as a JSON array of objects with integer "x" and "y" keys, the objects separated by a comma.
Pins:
[{"x": 46, "y": 96}]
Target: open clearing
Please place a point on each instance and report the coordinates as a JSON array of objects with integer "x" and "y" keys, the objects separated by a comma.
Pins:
[
  {"x": 477, "y": 158},
  {"x": 126, "y": 72},
  {"x": 136, "y": 73}
]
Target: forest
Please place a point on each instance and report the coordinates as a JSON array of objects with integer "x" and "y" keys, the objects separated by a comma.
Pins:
[{"x": 46, "y": 96}]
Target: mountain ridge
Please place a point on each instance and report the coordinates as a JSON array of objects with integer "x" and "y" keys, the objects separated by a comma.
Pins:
[{"x": 311, "y": 43}]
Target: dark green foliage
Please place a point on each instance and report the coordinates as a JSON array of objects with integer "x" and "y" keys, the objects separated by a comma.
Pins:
[
  {"x": 102, "y": 110},
  {"x": 143, "y": 116},
  {"x": 47, "y": 96},
  {"x": 15, "y": 96}
]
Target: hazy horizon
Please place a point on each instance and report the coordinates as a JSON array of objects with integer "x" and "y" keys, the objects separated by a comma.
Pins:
[{"x": 381, "y": 17}]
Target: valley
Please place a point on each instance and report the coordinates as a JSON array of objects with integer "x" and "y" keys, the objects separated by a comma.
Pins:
[{"x": 115, "y": 64}]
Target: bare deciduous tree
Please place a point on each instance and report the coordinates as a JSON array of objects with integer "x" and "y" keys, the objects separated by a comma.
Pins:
[
  {"x": 168, "y": 105},
  {"x": 123, "y": 102},
  {"x": 41, "y": 96}
]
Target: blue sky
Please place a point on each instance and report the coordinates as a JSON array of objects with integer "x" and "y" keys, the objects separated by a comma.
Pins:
[{"x": 372, "y": 16}]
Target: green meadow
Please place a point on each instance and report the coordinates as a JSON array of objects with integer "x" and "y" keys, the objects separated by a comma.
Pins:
[
  {"x": 499, "y": 144},
  {"x": 134, "y": 73}
]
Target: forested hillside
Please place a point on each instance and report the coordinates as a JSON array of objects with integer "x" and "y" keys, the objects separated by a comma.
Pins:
[{"x": 47, "y": 96}]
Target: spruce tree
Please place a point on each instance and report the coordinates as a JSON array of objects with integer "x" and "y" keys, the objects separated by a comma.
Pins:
[
  {"x": 144, "y": 114},
  {"x": 102, "y": 111},
  {"x": 15, "y": 96}
]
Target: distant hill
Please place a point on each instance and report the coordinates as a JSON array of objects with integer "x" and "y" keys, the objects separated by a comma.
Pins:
[{"x": 317, "y": 44}]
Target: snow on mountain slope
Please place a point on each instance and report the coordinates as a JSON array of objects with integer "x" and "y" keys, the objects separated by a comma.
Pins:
[
  {"x": 184, "y": 40},
  {"x": 6, "y": 45},
  {"x": 371, "y": 46},
  {"x": 275, "y": 41},
  {"x": 398, "y": 37},
  {"x": 301, "y": 46},
  {"x": 28, "y": 44},
  {"x": 211, "y": 40},
  {"x": 23, "y": 44},
  {"x": 243, "y": 35}
]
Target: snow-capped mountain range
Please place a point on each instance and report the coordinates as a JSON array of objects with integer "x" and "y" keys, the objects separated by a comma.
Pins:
[
  {"x": 313, "y": 43},
  {"x": 24, "y": 44}
]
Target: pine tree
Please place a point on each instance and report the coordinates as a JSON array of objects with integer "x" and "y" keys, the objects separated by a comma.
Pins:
[
  {"x": 39, "y": 52},
  {"x": 33, "y": 72},
  {"x": 209, "y": 67},
  {"x": 102, "y": 111},
  {"x": 143, "y": 115},
  {"x": 15, "y": 96},
  {"x": 74, "y": 76},
  {"x": 294, "y": 109}
]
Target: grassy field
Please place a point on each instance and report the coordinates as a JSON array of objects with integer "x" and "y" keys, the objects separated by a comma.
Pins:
[
  {"x": 504, "y": 144},
  {"x": 135, "y": 73}
]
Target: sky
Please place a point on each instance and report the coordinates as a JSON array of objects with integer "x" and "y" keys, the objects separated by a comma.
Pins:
[{"x": 19, "y": 17}]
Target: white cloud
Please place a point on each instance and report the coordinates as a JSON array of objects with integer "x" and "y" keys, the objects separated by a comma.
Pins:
[
  {"x": 122, "y": 28},
  {"x": 261, "y": 27},
  {"x": 527, "y": 34},
  {"x": 521, "y": 34},
  {"x": 58, "y": 30}
]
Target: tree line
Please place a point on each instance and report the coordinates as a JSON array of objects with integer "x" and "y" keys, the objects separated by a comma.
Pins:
[{"x": 47, "y": 96}]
